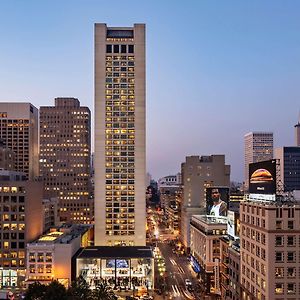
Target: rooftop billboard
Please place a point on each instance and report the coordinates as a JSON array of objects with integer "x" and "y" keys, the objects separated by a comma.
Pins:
[
  {"x": 217, "y": 201},
  {"x": 262, "y": 177}
]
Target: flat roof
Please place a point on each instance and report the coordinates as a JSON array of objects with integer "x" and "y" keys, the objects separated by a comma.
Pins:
[
  {"x": 116, "y": 252},
  {"x": 209, "y": 219},
  {"x": 63, "y": 234}
]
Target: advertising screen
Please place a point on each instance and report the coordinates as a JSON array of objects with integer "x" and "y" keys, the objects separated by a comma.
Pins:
[
  {"x": 217, "y": 201},
  {"x": 230, "y": 223},
  {"x": 262, "y": 177},
  {"x": 121, "y": 263}
]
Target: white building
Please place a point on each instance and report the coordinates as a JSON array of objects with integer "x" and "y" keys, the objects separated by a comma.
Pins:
[
  {"x": 169, "y": 180},
  {"x": 49, "y": 257}
]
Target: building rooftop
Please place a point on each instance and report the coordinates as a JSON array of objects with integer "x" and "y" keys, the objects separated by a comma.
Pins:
[
  {"x": 116, "y": 252},
  {"x": 62, "y": 235},
  {"x": 210, "y": 219}
]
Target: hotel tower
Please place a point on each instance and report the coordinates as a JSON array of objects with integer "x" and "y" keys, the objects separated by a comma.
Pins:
[{"x": 120, "y": 171}]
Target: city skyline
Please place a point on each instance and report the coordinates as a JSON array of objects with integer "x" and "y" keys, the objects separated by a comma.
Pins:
[{"x": 243, "y": 62}]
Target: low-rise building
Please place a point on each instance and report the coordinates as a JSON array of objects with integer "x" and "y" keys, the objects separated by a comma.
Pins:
[
  {"x": 169, "y": 180},
  {"x": 206, "y": 232},
  {"x": 123, "y": 268},
  {"x": 49, "y": 257}
]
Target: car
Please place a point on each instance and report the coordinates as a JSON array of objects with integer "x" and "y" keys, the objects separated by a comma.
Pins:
[{"x": 188, "y": 283}]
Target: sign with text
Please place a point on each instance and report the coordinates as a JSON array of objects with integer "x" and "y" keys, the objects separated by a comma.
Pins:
[{"x": 262, "y": 177}]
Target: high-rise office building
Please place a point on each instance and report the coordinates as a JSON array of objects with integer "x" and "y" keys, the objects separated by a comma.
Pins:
[
  {"x": 199, "y": 173},
  {"x": 258, "y": 147},
  {"x": 19, "y": 132},
  {"x": 120, "y": 216},
  {"x": 65, "y": 156},
  {"x": 289, "y": 158}
]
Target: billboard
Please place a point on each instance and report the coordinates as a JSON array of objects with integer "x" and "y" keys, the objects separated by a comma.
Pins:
[
  {"x": 217, "y": 201},
  {"x": 233, "y": 224},
  {"x": 262, "y": 177}
]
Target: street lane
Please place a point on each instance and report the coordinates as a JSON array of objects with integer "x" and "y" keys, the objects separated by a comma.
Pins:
[{"x": 178, "y": 267}]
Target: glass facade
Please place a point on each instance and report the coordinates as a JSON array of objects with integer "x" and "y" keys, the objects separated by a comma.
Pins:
[{"x": 119, "y": 273}]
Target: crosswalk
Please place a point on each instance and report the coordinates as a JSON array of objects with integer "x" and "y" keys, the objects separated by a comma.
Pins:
[
  {"x": 176, "y": 291},
  {"x": 173, "y": 262}
]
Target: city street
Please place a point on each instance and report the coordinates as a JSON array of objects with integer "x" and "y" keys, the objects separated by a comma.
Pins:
[{"x": 178, "y": 268}]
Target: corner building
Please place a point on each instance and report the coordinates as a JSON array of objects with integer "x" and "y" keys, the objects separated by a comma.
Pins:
[
  {"x": 120, "y": 171},
  {"x": 269, "y": 249}
]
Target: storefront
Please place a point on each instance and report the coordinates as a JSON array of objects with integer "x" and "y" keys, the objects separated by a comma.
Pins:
[
  {"x": 11, "y": 278},
  {"x": 123, "y": 268},
  {"x": 195, "y": 265}
]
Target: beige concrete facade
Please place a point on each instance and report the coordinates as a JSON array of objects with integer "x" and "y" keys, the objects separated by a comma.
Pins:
[
  {"x": 120, "y": 168},
  {"x": 19, "y": 132},
  {"x": 49, "y": 257},
  {"x": 198, "y": 173},
  {"x": 258, "y": 147},
  {"x": 270, "y": 252},
  {"x": 230, "y": 269},
  {"x": 65, "y": 157},
  {"x": 206, "y": 232}
]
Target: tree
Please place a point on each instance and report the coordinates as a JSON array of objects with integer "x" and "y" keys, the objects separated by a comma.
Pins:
[
  {"x": 55, "y": 291},
  {"x": 35, "y": 291},
  {"x": 79, "y": 290},
  {"x": 103, "y": 292}
]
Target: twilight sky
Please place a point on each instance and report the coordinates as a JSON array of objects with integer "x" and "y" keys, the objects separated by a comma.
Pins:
[{"x": 215, "y": 69}]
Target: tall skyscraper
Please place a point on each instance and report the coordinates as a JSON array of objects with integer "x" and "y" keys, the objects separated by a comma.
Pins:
[
  {"x": 258, "y": 147},
  {"x": 65, "y": 156},
  {"x": 19, "y": 132},
  {"x": 120, "y": 216}
]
